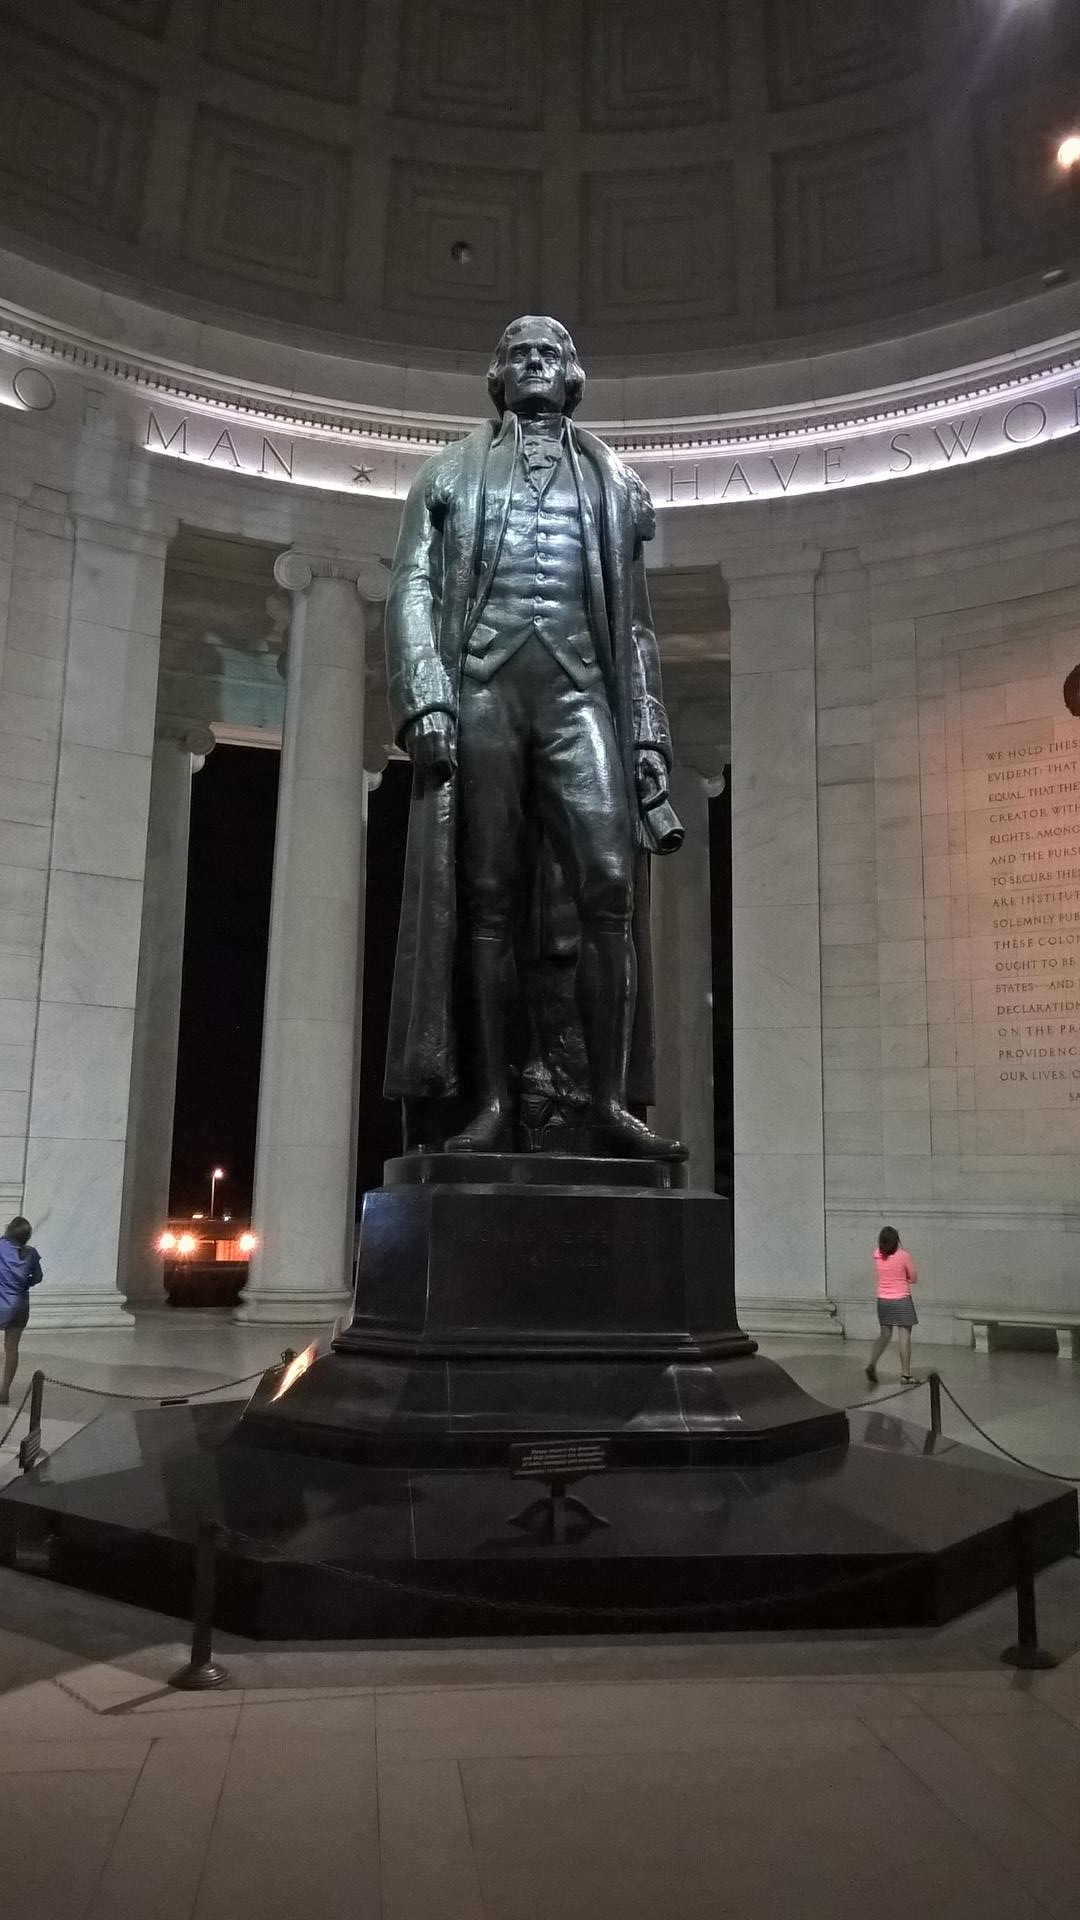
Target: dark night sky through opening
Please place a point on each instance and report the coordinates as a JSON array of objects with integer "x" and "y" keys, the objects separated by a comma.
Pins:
[{"x": 230, "y": 871}]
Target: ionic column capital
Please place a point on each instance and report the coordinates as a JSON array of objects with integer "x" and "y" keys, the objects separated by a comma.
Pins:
[
  {"x": 298, "y": 567},
  {"x": 701, "y": 740},
  {"x": 190, "y": 736}
]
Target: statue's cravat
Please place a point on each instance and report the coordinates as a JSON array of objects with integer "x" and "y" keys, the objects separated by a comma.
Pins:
[{"x": 541, "y": 451}]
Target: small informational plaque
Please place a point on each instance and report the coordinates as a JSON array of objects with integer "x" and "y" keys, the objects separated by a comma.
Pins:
[{"x": 558, "y": 1459}]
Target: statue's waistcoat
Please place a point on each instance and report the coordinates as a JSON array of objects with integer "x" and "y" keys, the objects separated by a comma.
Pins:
[{"x": 538, "y": 583}]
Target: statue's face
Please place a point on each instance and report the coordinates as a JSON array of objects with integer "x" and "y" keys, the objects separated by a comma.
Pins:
[{"x": 534, "y": 376}]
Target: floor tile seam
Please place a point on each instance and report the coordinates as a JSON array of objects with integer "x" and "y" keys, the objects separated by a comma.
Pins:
[
  {"x": 729, "y": 1738},
  {"x": 1023, "y": 1807},
  {"x": 378, "y": 1804},
  {"x": 1070, "y": 1719},
  {"x": 474, "y": 1849},
  {"x": 211, "y": 1828},
  {"x": 37, "y": 1773},
  {"x": 99, "y": 1877},
  {"x": 251, "y": 1700},
  {"x": 140, "y": 1711},
  {"x": 1035, "y": 1710},
  {"x": 1013, "y": 1782},
  {"x": 661, "y": 1680}
]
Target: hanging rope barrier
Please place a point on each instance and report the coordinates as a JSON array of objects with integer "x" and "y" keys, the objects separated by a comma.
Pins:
[
  {"x": 1070, "y": 1479},
  {"x": 486, "y": 1603},
  {"x": 225, "y": 1386},
  {"x": 879, "y": 1399},
  {"x": 153, "y": 1399}
]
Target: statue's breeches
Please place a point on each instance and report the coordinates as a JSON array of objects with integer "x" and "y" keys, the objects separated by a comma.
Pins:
[{"x": 530, "y": 729}]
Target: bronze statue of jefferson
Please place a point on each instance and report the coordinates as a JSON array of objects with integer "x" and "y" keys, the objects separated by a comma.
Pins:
[{"x": 524, "y": 684}]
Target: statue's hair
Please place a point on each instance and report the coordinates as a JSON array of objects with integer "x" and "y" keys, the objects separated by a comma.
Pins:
[{"x": 575, "y": 372}]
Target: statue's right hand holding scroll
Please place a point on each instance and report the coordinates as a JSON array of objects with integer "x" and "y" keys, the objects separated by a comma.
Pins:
[{"x": 661, "y": 827}]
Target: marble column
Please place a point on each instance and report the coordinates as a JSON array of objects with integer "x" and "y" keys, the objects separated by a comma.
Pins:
[
  {"x": 81, "y": 1075},
  {"x": 36, "y": 545},
  {"x": 682, "y": 973},
  {"x": 305, "y": 1163},
  {"x": 779, "y": 1135},
  {"x": 180, "y": 747}
]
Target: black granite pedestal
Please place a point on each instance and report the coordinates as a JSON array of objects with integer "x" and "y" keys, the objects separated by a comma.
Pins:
[
  {"x": 512, "y": 1311},
  {"x": 898, "y": 1528},
  {"x": 503, "y": 1298}
]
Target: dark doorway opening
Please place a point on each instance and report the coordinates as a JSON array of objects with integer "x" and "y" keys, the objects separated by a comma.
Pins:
[
  {"x": 388, "y": 822},
  {"x": 723, "y": 1013},
  {"x": 226, "y": 933},
  {"x": 230, "y": 871}
]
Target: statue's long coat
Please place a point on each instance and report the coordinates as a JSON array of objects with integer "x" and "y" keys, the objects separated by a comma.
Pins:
[{"x": 458, "y": 503}]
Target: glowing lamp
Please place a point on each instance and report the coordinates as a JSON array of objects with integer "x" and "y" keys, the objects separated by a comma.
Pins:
[
  {"x": 248, "y": 1242},
  {"x": 1068, "y": 153},
  {"x": 292, "y": 1373},
  {"x": 187, "y": 1243},
  {"x": 166, "y": 1243}
]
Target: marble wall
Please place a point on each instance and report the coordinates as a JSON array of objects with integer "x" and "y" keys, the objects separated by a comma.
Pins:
[
  {"x": 85, "y": 530},
  {"x": 949, "y": 773},
  {"x": 33, "y": 613},
  {"x": 905, "y": 788}
]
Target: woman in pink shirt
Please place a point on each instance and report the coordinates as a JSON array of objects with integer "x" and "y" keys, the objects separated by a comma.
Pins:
[{"x": 896, "y": 1276}]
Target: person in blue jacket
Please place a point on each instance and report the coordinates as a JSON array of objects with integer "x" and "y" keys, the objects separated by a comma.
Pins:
[{"x": 20, "y": 1269}]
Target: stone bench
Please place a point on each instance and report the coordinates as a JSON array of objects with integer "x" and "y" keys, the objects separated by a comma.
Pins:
[{"x": 1066, "y": 1324}]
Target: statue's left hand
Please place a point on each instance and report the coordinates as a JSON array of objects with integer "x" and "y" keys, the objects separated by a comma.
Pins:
[{"x": 432, "y": 747}]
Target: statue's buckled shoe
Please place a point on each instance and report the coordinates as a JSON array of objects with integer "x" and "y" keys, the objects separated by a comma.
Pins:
[
  {"x": 489, "y": 1131},
  {"x": 624, "y": 1137}
]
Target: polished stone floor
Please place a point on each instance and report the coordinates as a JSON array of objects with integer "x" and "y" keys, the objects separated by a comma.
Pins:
[{"x": 806, "y": 1778}]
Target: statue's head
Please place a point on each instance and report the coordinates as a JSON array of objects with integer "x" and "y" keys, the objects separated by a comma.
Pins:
[{"x": 535, "y": 368}]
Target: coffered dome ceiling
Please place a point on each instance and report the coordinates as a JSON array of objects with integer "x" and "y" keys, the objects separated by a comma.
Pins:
[{"x": 716, "y": 180}]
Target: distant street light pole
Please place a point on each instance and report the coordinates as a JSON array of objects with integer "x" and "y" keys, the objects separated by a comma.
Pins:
[{"x": 217, "y": 1174}]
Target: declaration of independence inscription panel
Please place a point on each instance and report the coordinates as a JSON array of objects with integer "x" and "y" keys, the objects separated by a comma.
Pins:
[{"x": 1022, "y": 829}]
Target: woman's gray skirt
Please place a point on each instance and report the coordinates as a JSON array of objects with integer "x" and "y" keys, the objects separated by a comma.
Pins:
[{"x": 897, "y": 1313}]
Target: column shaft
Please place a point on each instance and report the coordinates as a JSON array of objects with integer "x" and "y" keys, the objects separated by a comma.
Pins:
[
  {"x": 157, "y": 1014},
  {"x": 305, "y": 1164},
  {"x": 779, "y": 1135},
  {"x": 81, "y": 1079}
]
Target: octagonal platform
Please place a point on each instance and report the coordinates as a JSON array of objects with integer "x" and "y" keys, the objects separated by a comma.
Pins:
[{"x": 896, "y": 1529}]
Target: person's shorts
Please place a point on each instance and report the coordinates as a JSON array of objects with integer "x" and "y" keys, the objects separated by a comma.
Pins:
[{"x": 897, "y": 1313}]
